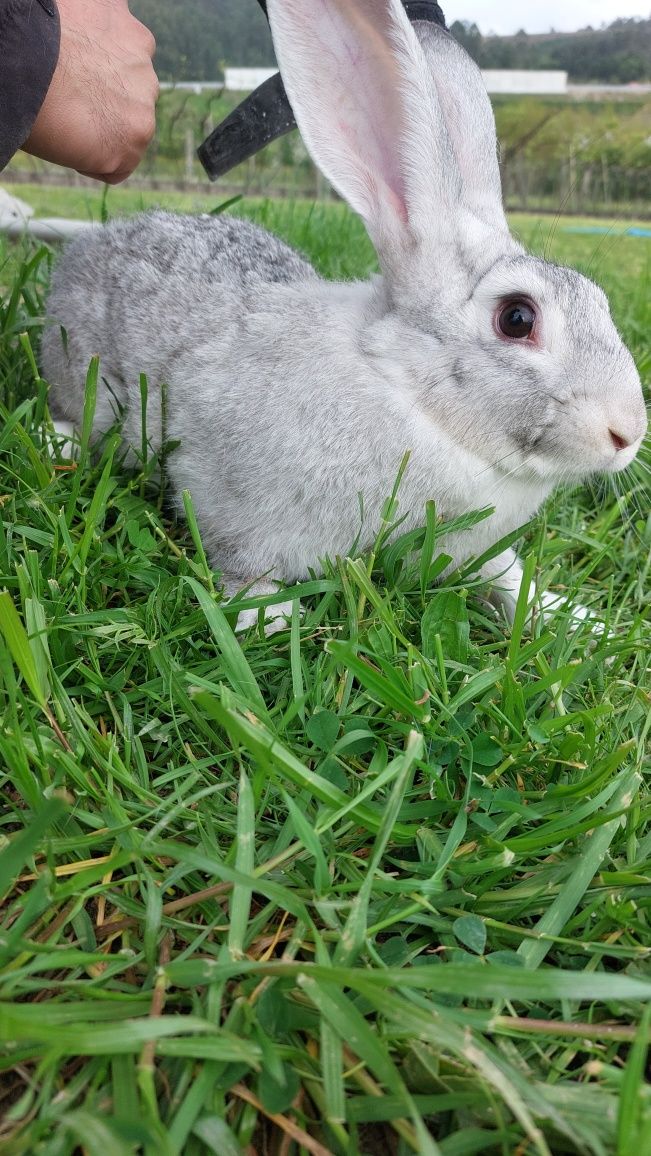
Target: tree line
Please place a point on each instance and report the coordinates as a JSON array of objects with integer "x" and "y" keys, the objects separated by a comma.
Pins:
[
  {"x": 198, "y": 38},
  {"x": 617, "y": 54}
]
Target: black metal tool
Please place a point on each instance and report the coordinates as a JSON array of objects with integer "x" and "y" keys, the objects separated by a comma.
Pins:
[{"x": 266, "y": 114}]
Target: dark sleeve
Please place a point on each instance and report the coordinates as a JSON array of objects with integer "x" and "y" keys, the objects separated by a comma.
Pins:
[{"x": 29, "y": 50}]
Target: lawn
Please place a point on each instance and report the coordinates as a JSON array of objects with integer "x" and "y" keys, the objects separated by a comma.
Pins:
[{"x": 379, "y": 884}]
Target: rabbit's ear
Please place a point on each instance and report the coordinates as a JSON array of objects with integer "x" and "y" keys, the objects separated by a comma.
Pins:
[
  {"x": 467, "y": 118},
  {"x": 368, "y": 110}
]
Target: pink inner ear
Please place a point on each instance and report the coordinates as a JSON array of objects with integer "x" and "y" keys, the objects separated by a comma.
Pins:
[
  {"x": 398, "y": 205},
  {"x": 344, "y": 77},
  {"x": 376, "y": 125}
]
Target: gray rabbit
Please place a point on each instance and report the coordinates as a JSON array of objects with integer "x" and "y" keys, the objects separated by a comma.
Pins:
[{"x": 290, "y": 396}]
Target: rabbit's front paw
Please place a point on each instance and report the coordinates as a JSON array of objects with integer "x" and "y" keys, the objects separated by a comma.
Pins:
[
  {"x": 551, "y": 603},
  {"x": 61, "y": 439},
  {"x": 505, "y": 575},
  {"x": 276, "y": 616}
]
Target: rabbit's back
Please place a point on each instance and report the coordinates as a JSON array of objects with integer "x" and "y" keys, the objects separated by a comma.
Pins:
[
  {"x": 137, "y": 292},
  {"x": 213, "y": 249}
]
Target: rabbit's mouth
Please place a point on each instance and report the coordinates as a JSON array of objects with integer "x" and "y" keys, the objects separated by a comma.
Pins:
[
  {"x": 538, "y": 453},
  {"x": 578, "y": 459},
  {"x": 580, "y": 437}
]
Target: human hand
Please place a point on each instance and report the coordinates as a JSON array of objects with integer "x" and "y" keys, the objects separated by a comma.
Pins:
[{"x": 99, "y": 113}]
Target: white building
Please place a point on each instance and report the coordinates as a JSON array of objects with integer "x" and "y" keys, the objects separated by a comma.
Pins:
[
  {"x": 246, "y": 79},
  {"x": 496, "y": 80},
  {"x": 520, "y": 80}
]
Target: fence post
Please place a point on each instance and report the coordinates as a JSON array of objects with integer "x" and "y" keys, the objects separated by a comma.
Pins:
[
  {"x": 189, "y": 154},
  {"x": 571, "y": 192},
  {"x": 604, "y": 178}
]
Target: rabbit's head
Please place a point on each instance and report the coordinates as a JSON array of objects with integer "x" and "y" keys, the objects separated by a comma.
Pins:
[{"x": 520, "y": 358}]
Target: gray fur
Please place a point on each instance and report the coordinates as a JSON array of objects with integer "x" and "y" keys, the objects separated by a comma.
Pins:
[{"x": 291, "y": 396}]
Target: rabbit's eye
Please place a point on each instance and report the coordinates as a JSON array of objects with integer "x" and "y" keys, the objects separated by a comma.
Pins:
[{"x": 516, "y": 319}]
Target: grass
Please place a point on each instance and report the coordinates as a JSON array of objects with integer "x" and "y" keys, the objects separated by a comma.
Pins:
[
  {"x": 381, "y": 884},
  {"x": 84, "y": 203}
]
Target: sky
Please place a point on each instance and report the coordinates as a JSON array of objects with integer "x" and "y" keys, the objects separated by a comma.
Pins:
[{"x": 507, "y": 16}]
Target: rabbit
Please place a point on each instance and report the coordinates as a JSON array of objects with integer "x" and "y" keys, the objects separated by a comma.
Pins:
[{"x": 290, "y": 396}]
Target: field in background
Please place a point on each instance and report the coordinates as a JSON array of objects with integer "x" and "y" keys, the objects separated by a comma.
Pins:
[
  {"x": 331, "y": 235},
  {"x": 379, "y": 885},
  {"x": 582, "y": 156}
]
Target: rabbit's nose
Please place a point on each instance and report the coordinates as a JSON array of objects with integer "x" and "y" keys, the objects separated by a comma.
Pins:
[
  {"x": 627, "y": 426},
  {"x": 619, "y": 441},
  {"x": 629, "y": 431}
]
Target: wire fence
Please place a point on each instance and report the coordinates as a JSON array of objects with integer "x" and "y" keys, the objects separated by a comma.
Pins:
[{"x": 549, "y": 174}]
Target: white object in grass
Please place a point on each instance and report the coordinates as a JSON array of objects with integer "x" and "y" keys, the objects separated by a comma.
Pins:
[
  {"x": 45, "y": 228},
  {"x": 13, "y": 209}
]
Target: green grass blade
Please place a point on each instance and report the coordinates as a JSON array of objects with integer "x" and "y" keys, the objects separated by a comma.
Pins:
[
  {"x": 18, "y": 644},
  {"x": 20, "y": 848},
  {"x": 587, "y": 864},
  {"x": 245, "y": 862},
  {"x": 237, "y": 669}
]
